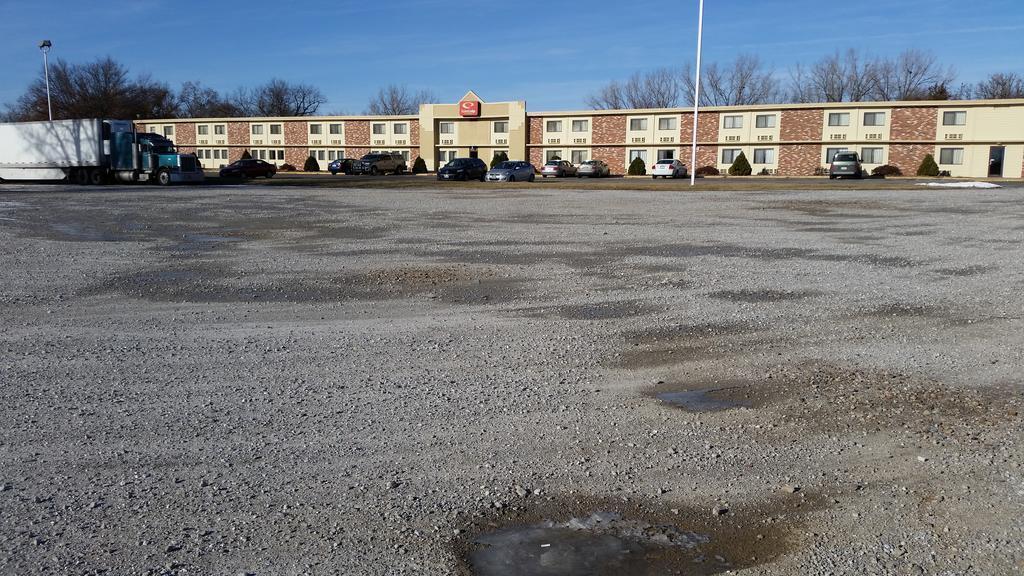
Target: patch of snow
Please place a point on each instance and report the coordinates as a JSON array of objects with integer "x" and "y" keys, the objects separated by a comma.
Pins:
[{"x": 960, "y": 184}]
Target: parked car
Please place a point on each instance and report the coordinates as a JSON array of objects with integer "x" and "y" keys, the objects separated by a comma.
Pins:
[
  {"x": 248, "y": 168},
  {"x": 845, "y": 165},
  {"x": 512, "y": 171},
  {"x": 592, "y": 169},
  {"x": 343, "y": 165},
  {"x": 558, "y": 169},
  {"x": 380, "y": 163},
  {"x": 670, "y": 168},
  {"x": 463, "y": 169}
]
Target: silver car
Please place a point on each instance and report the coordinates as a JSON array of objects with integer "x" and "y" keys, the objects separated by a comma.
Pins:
[
  {"x": 512, "y": 171},
  {"x": 593, "y": 169},
  {"x": 558, "y": 169},
  {"x": 845, "y": 165}
]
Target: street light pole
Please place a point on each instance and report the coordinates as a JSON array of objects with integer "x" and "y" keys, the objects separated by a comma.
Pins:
[
  {"x": 696, "y": 95},
  {"x": 45, "y": 46}
]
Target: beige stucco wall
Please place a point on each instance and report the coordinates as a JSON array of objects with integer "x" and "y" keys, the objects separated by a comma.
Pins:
[{"x": 469, "y": 132}]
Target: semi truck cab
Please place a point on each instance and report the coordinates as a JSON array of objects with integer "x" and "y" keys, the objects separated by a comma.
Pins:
[{"x": 162, "y": 162}]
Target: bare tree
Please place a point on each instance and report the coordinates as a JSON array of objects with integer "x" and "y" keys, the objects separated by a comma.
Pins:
[
  {"x": 608, "y": 97},
  {"x": 395, "y": 100},
  {"x": 98, "y": 89},
  {"x": 1000, "y": 86},
  {"x": 197, "y": 101},
  {"x": 742, "y": 82},
  {"x": 659, "y": 88},
  {"x": 909, "y": 76},
  {"x": 278, "y": 98}
]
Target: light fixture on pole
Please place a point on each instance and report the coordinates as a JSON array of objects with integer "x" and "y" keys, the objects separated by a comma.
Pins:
[
  {"x": 696, "y": 96},
  {"x": 45, "y": 46}
]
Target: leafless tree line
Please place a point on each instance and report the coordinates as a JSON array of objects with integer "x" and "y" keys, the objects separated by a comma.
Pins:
[
  {"x": 840, "y": 77},
  {"x": 394, "y": 100}
]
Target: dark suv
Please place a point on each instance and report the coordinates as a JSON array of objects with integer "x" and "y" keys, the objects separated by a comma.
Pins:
[
  {"x": 380, "y": 163},
  {"x": 845, "y": 165},
  {"x": 463, "y": 169}
]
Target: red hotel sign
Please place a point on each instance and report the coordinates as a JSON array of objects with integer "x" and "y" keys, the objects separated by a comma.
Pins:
[{"x": 469, "y": 108}]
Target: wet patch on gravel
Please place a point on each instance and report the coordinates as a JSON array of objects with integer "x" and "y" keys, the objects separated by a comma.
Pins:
[
  {"x": 665, "y": 346},
  {"x": 762, "y": 296},
  {"x": 596, "y": 311},
  {"x": 966, "y": 270},
  {"x": 700, "y": 400},
  {"x": 606, "y": 537}
]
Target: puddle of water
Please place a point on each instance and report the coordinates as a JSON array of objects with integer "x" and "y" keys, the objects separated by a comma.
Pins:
[
  {"x": 698, "y": 400},
  {"x": 603, "y": 543}
]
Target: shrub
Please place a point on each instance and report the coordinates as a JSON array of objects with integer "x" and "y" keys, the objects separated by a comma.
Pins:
[
  {"x": 311, "y": 165},
  {"x": 419, "y": 166},
  {"x": 637, "y": 167},
  {"x": 945, "y": 174},
  {"x": 286, "y": 168},
  {"x": 707, "y": 171},
  {"x": 887, "y": 170},
  {"x": 740, "y": 166},
  {"x": 764, "y": 172},
  {"x": 928, "y": 167},
  {"x": 499, "y": 157},
  {"x": 246, "y": 155}
]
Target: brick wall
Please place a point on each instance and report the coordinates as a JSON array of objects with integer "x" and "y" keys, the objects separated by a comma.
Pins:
[
  {"x": 537, "y": 157},
  {"x": 296, "y": 133},
  {"x": 536, "y": 135},
  {"x": 801, "y": 125},
  {"x": 613, "y": 156},
  {"x": 235, "y": 153},
  {"x": 908, "y": 157},
  {"x": 357, "y": 133},
  {"x": 913, "y": 124},
  {"x": 608, "y": 130},
  {"x": 238, "y": 135},
  {"x": 356, "y": 152},
  {"x": 297, "y": 157},
  {"x": 185, "y": 134},
  {"x": 707, "y": 127},
  {"x": 414, "y": 153},
  {"x": 799, "y": 159},
  {"x": 414, "y": 133},
  {"x": 186, "y": 149}
]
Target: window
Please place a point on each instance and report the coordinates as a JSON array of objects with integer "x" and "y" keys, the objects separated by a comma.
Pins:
[
  {"x": 954, "y": 118},
  {"x": 579, "y": 156},
  {"x": 224, "y": 154},
  {"x": 405, "y": 155},
  {"x": 314, "y": 128},
  {"x": 641, "y": 154},
  {"x": 839, "y": 119},
  {"x": 764, "y": 121},
  {"x": 953, "y": 156},
  {"x": 446, "y": 155},
  {"x": 871, "y": 155},
  {"x": 378, "y": 128},
  {"x": 219, "y": 129},
  {"x": 764, "y": 156},
  {"x": 666, "y": 123},
  {"x": 501, "y": 127},
  {"x": 732, "y": 122},
  {"x": 168, "y": 131},
  {"x": 874, "y": 118},
  {"x": 334, "y": 128},
  {"x": 321, "y": 154},
  {"x": 553, "y": 126},
  {"x": 203, "y": 130},
  {"x": 446, "y": 127},
  {"x": 402, "y": 128},
  {"x": 580, "y": 125},
  {"x": 552, "y": 155},
  {"x": 637, "y": 124},
  {"x": 275, "y": 129},
  {"x": 830, "y": 153},
  {"x": 666, "y": 154},
  {"x": 216, "y": 154},
  {"x": 729, "y": 155},
  {"x": 256, "y": 129},
  {"x": 331, "y": 155}
]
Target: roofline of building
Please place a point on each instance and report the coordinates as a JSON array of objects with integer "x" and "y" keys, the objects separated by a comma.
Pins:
[{"x": 635, "y": 111}]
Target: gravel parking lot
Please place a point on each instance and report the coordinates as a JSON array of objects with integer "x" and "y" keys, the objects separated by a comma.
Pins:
[{"x": 279, "y": 379}]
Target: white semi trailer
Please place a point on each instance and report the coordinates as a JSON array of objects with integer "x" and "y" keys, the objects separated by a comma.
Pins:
[{"x": 91, "y": 151}]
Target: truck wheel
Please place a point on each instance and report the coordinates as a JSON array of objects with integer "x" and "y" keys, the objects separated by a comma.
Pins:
[
  {"x": 81, "y": 177},
  {"x": 163, "y": 177},
  {"x": 97, "y": 177},
  {"x": 373, "y": 170}
]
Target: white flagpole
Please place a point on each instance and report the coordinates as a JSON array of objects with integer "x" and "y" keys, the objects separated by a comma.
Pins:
[{"x": 696, "y": 96}]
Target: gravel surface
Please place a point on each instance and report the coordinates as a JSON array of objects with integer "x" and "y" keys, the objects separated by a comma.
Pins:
[{"x": 286, "y": 380}]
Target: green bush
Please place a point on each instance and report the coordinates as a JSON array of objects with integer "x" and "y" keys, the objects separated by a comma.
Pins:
[
  {"x": 419, "y": 166},
  {"x": 499, "y": 157},
  {"x": 707, "y": 171},
  {"x": 246, "y": 155},
  {"x": 286, "y": 168},
  {"x": 637, "y": 167},
  {"x": 311, "y": 165},
  {"x": 928, "y": 167},
  {"x": 740, "y": 166},
  {"x": 887, "y": 170}
]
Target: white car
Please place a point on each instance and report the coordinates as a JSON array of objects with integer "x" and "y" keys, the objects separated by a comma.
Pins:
[{"x": 669, "y": 169}]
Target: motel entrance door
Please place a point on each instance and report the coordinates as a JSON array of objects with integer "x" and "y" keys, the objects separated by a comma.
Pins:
[{"x": 996, "y": 154}]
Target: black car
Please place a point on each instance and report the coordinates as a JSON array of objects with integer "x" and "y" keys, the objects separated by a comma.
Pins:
[
  {"x": 463, "y": 169},
  {"x": 248, "y": 168},
  {"x": 343, "y": 165}
]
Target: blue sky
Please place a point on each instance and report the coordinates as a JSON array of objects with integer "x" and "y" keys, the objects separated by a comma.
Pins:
[{"x": 550, "y": 54}]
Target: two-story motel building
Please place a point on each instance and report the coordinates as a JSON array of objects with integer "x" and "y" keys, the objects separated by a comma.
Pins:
[{"x": 978, "y": 138}]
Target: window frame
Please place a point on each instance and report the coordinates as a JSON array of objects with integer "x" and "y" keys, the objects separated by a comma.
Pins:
[
  {"x": 552, "y": 126},
  {"x": 957, "y": 154},
  {"x": 771, "y": 121},
  {"x": 874, "y": 115},
  {"x": 732, "y": 122},
  {"x": 582, "y": 122},
  {"x": 839, "y": 117},
  {"x": 670, "y": 119},
  {"x": 735, "y": 152},
  {"x": 446, "y": 127},
  {"x": 864, "y": 157},
  {"x": 504, "y": 126},
  {"x": 955, "y": 115},
  {"x": 641, "y": 121},
  {"x": 383, "y": 128},
  {"x": 767, "y": 156}
]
